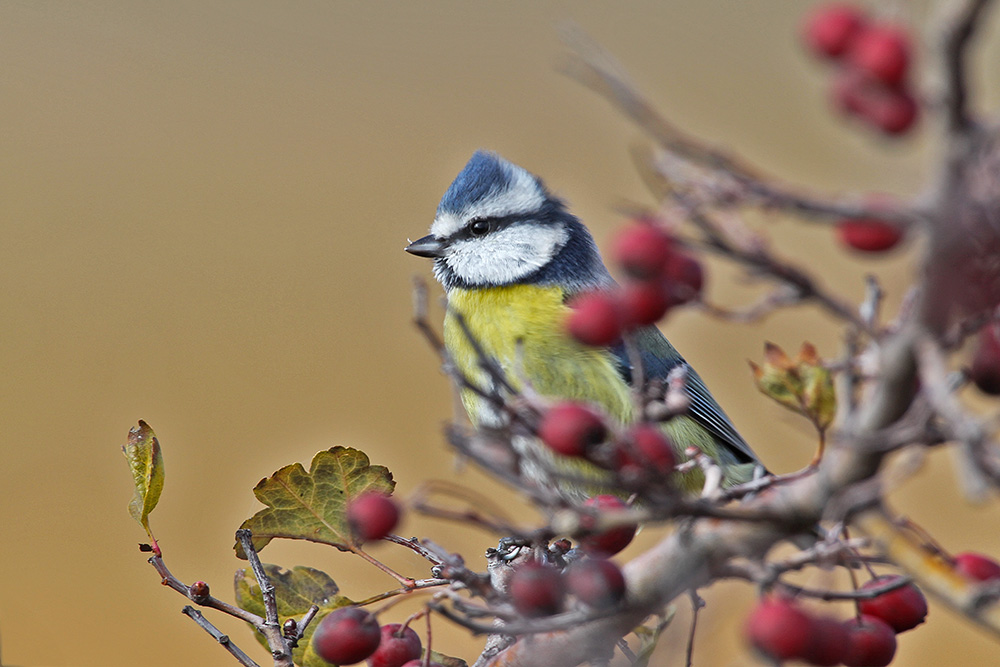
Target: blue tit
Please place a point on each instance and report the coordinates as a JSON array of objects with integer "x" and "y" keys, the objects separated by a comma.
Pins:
[{"x": 509, "y": 256}]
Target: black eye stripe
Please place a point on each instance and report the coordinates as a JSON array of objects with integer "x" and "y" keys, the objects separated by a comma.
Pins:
[{"x": 479, "y": 227}]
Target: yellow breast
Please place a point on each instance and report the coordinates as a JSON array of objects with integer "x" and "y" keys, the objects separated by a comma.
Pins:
[{"x": 554, "y": 364}]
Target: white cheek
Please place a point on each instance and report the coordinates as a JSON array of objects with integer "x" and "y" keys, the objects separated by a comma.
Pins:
[
  {"x": 445, "y": 225},
  {"x": 507, "y": 255}
]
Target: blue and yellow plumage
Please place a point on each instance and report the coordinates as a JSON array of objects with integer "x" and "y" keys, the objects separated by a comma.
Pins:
[{"x": 509, "y": 256}]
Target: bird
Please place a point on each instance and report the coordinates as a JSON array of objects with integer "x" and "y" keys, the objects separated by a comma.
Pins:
[{"x": 510, "y": 256}]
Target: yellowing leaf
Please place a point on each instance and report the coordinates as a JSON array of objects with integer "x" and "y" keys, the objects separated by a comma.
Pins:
[
  {"x": 819, "y": 398},
  {"x": 804, "y": 385},
  {"x": 312, "y": 505},
  {"x": 447, "y": 660},
  {"x": 295, "y": 590},
  {"x": 146, "y": 463},
  {"x": 776, "y": 357},
  {"x": 778, "y": 378},
  {"x": 649, "y": 637}
]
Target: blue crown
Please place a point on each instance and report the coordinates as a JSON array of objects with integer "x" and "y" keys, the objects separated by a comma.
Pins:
[{"x": 485, "y": 174}]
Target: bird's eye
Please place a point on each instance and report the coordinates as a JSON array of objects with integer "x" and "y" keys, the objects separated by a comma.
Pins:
[{"x": 479, "y": 227}]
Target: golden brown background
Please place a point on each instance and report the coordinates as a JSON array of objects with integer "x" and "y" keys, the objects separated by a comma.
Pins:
[{"x": 203, "y": 210}]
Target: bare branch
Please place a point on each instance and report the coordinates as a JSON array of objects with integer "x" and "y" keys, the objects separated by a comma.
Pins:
[
  {"x": 955, "y": 25},
  {"x": 217, "y": 634},
  {"x": 593, "y": 67}
]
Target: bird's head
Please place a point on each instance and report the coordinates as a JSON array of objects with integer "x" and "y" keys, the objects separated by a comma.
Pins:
[{"x": 498, "y": 225}]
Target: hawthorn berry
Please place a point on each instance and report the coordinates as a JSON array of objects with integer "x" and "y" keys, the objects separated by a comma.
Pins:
[
  {"x": 779, "y": 629},
  {"x": 828, "y": 31},
  {"x": 596, "y": 582},
  {"x": 613, "y": 540},
  {"x": 642, "y": 249},
  {"x": 828, "y": 643},
  {"x": 684, "y": 276},
  {"x": 644, "y": 303},
  {"x": 372, "y": 516},
  {"x": 985, "y": 369},
  {"x": 902, "y": 608},
  {"x": 398, "y": 646},
  {"x": 848, "y": 91},
  {"x": 977, "y": 566},
  {"x": 571, "y": 429},
  {"x": 870, "y": 642},
  {"x": 868, "y": 234},
  {"x": 346, "y": 636},
  {"x": 595, "y": 319},
  {"x": 892, "y": 111},
  {"x": 651, "y": 446},
  {"x": 536, "y": 589},
  {"x": 881, "y": 51}
]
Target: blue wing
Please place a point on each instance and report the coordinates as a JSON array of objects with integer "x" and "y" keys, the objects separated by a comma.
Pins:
[{"x": 659, "y": 357}]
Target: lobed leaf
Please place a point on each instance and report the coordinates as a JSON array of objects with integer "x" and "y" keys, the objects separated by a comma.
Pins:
[
  {"x": 295, "y": 590},
  {"x": 311, "y": 505}
]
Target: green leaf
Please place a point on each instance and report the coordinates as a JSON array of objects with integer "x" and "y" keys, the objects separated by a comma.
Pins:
[
  {"x": 819, "y": 398},
  {"x": 295, "y": 591},
  {"x": 146, "y": 463},
  {"x": 312, "y": 505},
  {"x": 650, "y": 636},
  {"x": 778, "y": 377},
  {"x": 447, "y": 660}
]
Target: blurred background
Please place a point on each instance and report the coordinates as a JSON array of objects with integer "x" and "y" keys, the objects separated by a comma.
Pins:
[{"x": 203, "y": 206}]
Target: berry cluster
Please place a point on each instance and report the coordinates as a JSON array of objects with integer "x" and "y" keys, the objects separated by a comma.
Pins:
[
  {"x": 641, "y": 455},
  {"x": 660, "y": 276},
  {"x": 782, "y": 630},
  {"x": 349, "y": 635},
  {"x": 873, "y": 62},
  {"x": 537, "y": 589}
]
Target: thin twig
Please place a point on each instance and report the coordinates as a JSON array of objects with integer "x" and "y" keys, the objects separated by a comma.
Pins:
[
  {"x": 223, "y": 639},
  {"x": 270, "y": 628}
]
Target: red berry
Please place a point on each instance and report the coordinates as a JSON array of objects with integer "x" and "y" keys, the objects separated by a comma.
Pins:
[
  {"x": 870, "y": 642},
  {"x": 372, "y": 516},
  {"x": 571, "y": 429},
  {"x": 848, "y": 91},
  {"x": 684, "y": 276},
  {"x": 903, "y": 608},
  {"x": 881, "y": 51},
  {"x": 868, "y": 234},
  {"x": 596, "y": 582},
  {"x": 977, "y": 566},
  {"x": 643, "y": 303},
  {"x": 985, "y": 370},
  {"x": 537, "y": 589},
  {"x": 829, "y": 30},
  {"x": 828, "y": 643},
  {"x": 893, "y": 112},
  {"x": 641, "y": 249},
  {"x": 595, "y": 319},
  {"x": 346, "y": 636},
  {"x": 611, "y": 541},
  {"x": 652, "y": 448},
  {"x": 779, "y": 629},
  {"x": 398, "y": 646}
]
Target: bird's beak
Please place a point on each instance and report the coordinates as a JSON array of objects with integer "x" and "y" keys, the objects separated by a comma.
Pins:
[{"x": 428, "y": 246}]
